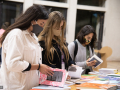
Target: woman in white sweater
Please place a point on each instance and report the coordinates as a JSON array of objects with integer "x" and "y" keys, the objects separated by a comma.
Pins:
[{"x": 85, "y": 43}]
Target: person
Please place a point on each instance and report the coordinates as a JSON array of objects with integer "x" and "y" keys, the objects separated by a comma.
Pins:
[
  {"x": 2, "y": 30},
  {"x": 4, "y": 27},
  {"x": 21, "y": 53},
  {"x": 55, "y": 52},
  {"x": 85, "y": 43}
]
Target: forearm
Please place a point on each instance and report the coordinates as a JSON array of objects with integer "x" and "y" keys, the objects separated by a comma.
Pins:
[
  {"x": 34, "y": 66},
  {"x": 81, "y": 64}
]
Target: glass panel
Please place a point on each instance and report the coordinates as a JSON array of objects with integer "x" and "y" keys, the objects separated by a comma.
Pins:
[
  {"x": 100, "y": 3},
  {"x": 64, "y": 1},
  {"x": 93, "y": 18},
  {"x": 62, "y": 10},
  {"x": 10, "y": 11}
]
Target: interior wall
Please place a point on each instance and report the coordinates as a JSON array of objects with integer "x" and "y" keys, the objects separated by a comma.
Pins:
[{"x": 111, "y": 32}]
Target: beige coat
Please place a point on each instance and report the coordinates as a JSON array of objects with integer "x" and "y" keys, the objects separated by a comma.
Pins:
[{"x": 18, "y": 50}]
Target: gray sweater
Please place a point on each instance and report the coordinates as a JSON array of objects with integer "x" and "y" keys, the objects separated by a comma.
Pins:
[{"x": 80, "y": 58}]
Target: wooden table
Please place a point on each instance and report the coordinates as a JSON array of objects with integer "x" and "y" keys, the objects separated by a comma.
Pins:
[{"x": 73, "y": 87}]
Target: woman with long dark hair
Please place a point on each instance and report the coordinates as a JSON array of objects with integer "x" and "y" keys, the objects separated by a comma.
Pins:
[
  {"x": 85, "y": 42},
  {"x": 21, "y": 53}
]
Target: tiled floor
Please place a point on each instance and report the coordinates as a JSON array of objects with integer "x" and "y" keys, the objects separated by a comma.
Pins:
[{"x": 114, "y": 65}]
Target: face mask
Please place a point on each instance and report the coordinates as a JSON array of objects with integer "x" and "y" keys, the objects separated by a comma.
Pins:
[
  {"x": 87, "y": 41},
  {"x": 37, "y": 29},
  {"x": 57, "y": 32}
]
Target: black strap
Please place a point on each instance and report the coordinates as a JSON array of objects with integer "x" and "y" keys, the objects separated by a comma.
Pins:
[{"x": 76, "y": 49}]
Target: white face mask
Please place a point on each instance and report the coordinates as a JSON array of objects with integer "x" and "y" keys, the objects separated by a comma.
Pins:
[{"x": 56, "y": 32}]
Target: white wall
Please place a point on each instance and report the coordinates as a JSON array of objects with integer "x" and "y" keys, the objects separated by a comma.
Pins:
[{"x": 111, "y": 33}]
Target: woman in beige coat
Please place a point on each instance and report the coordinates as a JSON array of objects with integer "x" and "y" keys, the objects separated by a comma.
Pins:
[{"x": 21, "y": 53}]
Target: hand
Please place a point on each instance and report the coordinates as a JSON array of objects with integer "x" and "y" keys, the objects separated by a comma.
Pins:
[
  {"x": 68, "y": 78},
  {"x": 74, "y": 65},
  {"x": 45, "y": 70},
  {"x": 92, "y": 63}
]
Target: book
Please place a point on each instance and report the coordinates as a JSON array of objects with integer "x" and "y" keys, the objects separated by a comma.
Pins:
[
  {"x": 89, "y": 77},
  {"x": 108, "y": 71},
  {"x": 94, "y": 73},
  {"x": 99, "y": 82},
  {"x": 75, "y": 72},
  {"x": 58, "y": 78},
  {"x": 114, "y": 75},
  {"x": 35, "y": 89},
  {"x": 46, "y": 87},
  {"x": 96, "y": 59},
  {"x": 96, "y": 86}
]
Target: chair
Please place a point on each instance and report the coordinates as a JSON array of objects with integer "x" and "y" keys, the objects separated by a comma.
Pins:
[{"x": 105, "y": 53}]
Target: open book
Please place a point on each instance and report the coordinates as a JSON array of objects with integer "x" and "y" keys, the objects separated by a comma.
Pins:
[
  {"x": 97, "y": 59},
  {"x": 75, "y": 72},
  {"x": 58, "y": 78}
]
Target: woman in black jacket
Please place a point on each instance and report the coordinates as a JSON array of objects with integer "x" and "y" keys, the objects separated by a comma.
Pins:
[{"x": 55, "y": 52}]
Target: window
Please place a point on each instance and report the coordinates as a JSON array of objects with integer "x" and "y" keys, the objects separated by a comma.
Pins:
[
  {"x": 93, "y": 18},
  {"x": 63, "y": 1},
  {"x": 62, "y": 10},
  {"x": 10, "y": 11},
  {"x": 100, "y": 3}
]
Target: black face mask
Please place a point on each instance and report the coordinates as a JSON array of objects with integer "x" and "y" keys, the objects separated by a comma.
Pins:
[{"x": 37, "y": 29}]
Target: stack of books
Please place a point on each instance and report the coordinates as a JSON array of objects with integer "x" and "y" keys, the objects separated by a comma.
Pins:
[
  {"x": 108, "y": 71},
  {"x": 95, "y": 86}
]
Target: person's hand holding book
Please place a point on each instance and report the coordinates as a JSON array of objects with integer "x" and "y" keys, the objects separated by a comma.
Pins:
[
  {"x": 46, "y": 70},
  {"x": 90, "y": 63}
]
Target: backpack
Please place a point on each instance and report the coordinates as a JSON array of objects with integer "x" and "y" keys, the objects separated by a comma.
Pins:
[{"x": 76, "y": 49}]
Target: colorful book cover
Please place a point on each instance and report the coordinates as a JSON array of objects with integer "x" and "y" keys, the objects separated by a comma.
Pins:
[
  {"x": 58, "y": 78},
  {"x": 89, "y": 77},
  {"x": 96, "y": 86}
]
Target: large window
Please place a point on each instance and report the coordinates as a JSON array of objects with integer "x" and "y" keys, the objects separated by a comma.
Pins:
[
  {"x": 93, "y": 18},
  {"x": 62, "y": 10},
  {"x": 64, "y": 1},
  {"x": 100, "y": 3},
  {"x": 9, "y": 12}
]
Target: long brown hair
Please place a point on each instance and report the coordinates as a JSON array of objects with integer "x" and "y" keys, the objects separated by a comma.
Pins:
[
  {"x": 34, "y": 12},
  {"x": 55, "y": 18},
  {"x": 87, "y": 29}
]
